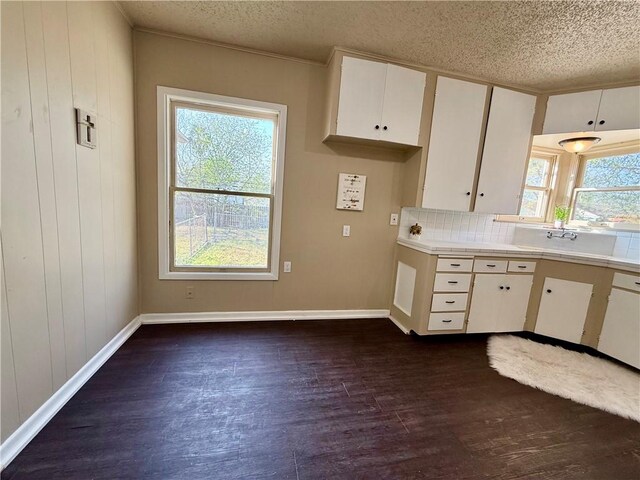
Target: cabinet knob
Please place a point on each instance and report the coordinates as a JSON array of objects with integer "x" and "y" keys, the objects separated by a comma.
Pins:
[
  {"x": 601, "y": 122},
  {"x": 468, "y": 193},
  {"x": 590, "y": 122},
  {"x": 548, "y": 290},
  {"x": 377, "y": 127},
  {"x": 501, "y": 287},
  {"x": 508, "y": 288},
  {"x": 482, "y": 194},
  {"x": 385, "y": 127}
]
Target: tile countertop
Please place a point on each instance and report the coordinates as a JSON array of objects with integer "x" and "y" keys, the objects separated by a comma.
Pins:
[{"x": 440, "y": 247}]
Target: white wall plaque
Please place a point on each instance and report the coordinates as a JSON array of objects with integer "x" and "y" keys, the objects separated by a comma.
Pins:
[{"x": 351, "y": 191}]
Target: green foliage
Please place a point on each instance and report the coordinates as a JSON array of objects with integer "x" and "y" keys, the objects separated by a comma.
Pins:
[
  {"x": 561, "y": 212},
  {"x": 223, "y": 152}
]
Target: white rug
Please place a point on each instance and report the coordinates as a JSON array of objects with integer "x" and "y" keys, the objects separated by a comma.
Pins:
[{"x": 577, "y": 376}]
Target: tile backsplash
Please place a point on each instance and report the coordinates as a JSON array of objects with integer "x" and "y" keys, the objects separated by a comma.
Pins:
[
  {"x": 456, "y": 226},
  {"x": 446, "y": 225}
]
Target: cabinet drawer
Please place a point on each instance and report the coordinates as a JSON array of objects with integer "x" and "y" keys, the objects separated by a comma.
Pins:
[
  {"x": 446, "y": 321},
  {"x": 449, "y": 302},
  {"x": 452, "y": 282},
  {"x": 521, "y": 266},
  {"x": 630, "y": 282},
  {"x": 455, "y": 264},
  {"x": 484, "y": 266}
]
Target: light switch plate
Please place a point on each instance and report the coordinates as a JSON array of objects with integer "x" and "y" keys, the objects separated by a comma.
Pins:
[
  {"x": 287, "y": 267},
  {"x": 394, "y": 219},
  {"x": 346, "y": 230}
]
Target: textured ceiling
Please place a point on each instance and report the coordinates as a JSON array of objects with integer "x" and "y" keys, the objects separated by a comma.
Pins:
[{"x": 543, "y": 45}]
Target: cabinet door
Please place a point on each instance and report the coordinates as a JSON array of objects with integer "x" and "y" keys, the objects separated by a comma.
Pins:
[
  {"x": 513, "y": 307},
  {"x": 485, "y": 303},
  {"x": 620, "y": 336},
  {"x": 402, "y": 106},
  {"x": 572, "y": 112},
  {"x": 453, "y": 146},
  {"x": 619, "y": 109},
  {"x": 563, "y": 309},
  {"x": 506, "y": 151},
  {"x": 361, "y": 96}
]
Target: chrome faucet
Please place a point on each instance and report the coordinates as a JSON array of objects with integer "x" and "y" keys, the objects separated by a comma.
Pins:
[{"x": 564, "y": 234}]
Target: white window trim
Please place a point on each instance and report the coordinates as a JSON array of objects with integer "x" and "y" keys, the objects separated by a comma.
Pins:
[{"x": 165, "y": 95}]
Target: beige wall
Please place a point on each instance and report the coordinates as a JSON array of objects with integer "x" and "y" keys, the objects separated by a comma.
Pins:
[
  {"x": 329, "y": 271},
  {"x": 68, "y": 212}
]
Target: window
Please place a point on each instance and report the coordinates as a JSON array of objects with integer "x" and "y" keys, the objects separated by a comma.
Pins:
[
  {"x": 537, "y": 188},
  {"x": 608, "y": 193},
  {"x": 221, "y": 163}
]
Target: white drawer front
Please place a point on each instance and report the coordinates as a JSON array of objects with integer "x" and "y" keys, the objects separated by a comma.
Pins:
[
  {"x": 449, "y": 302},
  {"x": 515, "y": 266},
  {"x": 455, "y": 264},
  {"x": 485, "y": 266},
  {"x": 446, "y": 321},
  {"x": 630, "y": 282},
  {"x": 452, "y": 282}
]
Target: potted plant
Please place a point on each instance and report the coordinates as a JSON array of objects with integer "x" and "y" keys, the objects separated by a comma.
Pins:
[{"x": 561, "y": 216}]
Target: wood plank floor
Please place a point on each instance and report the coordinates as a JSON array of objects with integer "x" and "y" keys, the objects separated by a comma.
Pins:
[{"x": 353, "y": 399}]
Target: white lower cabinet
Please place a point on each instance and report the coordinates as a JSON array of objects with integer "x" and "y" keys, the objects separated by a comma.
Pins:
[
  {"x": 620, "y": 336},
  {"x": 499, "y": 303},
  {"x": 563, "y": 309}
]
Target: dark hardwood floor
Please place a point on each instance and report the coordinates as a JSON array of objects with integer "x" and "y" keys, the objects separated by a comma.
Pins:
[{"x": 352, "y": 399}]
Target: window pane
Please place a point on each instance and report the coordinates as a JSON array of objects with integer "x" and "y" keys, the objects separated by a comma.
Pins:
[
  {"x": 608, "y": 206},
  {"x": 533, "y": 203},
  {"x": 222, "y": 151},
  {"x": 221, "y": 230},
  {"x": 616, "y": 171},
  {"x": 537, "y": 172}
]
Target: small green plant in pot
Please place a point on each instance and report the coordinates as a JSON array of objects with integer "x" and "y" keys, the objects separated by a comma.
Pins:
[{"x": 561, "y": 216}]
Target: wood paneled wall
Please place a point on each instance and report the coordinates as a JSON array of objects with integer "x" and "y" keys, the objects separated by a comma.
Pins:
[{"x": 69, "y": 262}]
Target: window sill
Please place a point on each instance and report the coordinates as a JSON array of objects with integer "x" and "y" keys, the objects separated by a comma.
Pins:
[{"x": 226, "y": 276}]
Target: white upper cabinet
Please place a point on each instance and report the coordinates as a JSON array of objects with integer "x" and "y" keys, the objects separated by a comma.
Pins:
[
  {"x": 595, "y": 110},
  {"x": 506, "y": 151},
  {"x": 453, "y": 146},
  {"x": 379, "y": 101},
  {"x": 619, "y": 109},
  {"x": 572, "y": 112},
  {"x": 402, "y": 106},
  {"x": 361, "y": 97}
]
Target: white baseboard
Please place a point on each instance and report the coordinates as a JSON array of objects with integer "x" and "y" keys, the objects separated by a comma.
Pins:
[
  {"x": 19, "y": 439},
  {"x": 405, "y": 330},
  {"x": 154, "y": 318}
]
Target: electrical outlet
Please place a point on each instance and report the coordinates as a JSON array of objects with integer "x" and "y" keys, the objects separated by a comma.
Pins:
[
  {"x": 189, "y": 293},
  {"x": 346, "y": 230},
  {"x": 287, "y": 267},
  {"x": 394, "y": 219}
]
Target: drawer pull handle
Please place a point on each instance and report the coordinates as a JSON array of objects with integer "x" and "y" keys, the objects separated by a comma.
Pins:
[
  {"x": 455, "y": 264},
  {"x": 522, "y": 266},
  {"x": 446, "y": 321},
  {"x": 637, "y": 283},
  {"x": 490, "y": 266},
  {"x": 452, "y": 282},
  {"x": 450, "y": 301}
]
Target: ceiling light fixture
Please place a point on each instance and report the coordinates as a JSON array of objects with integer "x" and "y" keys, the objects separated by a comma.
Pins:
[{"x": 578, "y": 144}]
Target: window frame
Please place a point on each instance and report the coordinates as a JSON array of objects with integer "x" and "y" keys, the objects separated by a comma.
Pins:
[
  {"x": 549, "y": 190},
  {"x": 606, "y": 151},
  {"x": 167, "y": 99}
]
